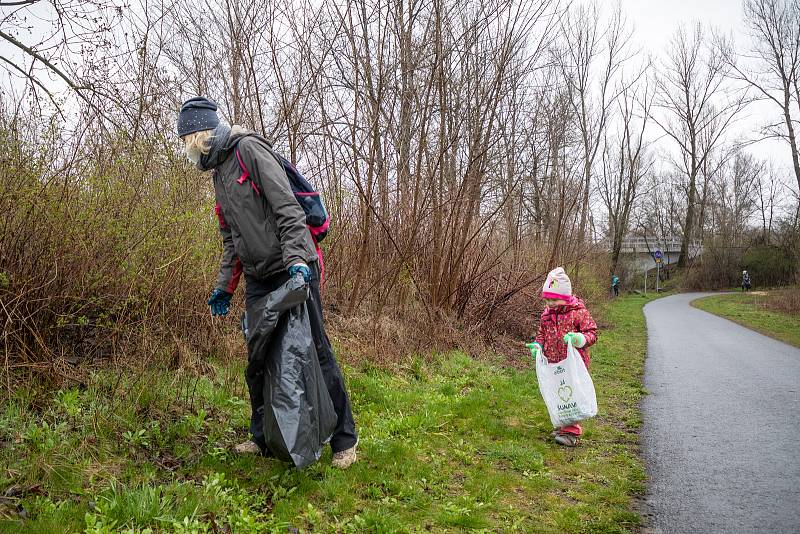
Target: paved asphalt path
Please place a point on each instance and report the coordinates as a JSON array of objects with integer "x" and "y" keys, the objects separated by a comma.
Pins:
[{"x": 721, "y": 428}]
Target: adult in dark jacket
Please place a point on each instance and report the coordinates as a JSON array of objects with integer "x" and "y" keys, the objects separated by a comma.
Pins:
[{"x": 265, "y": 237}]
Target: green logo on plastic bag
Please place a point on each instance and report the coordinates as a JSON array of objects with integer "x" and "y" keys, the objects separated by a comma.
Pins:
[{"x": 565, "y": 393}]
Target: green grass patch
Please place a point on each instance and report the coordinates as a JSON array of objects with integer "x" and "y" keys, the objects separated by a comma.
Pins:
[
  {"x": 451, "y": 445},
  {"x": 747, "y": 310}
]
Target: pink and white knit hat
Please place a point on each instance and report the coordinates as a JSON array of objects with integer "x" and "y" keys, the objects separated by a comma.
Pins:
[{"x": 557, "y": 285}]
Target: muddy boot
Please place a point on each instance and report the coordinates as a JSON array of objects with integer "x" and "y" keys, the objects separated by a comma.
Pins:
[
  {"x": 567, "y": 440},
  {"x": 248, "y": 447},
  {"x": 346, "y": 458}
]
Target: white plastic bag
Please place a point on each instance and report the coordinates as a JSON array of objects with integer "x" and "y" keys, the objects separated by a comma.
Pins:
[{"x": 567, "y": 388}]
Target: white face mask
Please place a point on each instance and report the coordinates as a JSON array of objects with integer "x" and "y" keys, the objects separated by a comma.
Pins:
[{"x": 193, "y": 155}]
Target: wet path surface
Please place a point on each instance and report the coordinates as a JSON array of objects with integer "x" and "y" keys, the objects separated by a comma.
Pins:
[{"x": 721, "y": 435}]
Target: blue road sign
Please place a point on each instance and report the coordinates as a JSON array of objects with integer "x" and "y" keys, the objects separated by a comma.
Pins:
[{"x": 658, "y": 255}]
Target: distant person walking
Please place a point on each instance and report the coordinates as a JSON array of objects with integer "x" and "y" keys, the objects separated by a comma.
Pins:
[
  {"x": 265, "y": 237},
  {"x": 615, "y": 284},
  {"x": 746, "y": 284}
]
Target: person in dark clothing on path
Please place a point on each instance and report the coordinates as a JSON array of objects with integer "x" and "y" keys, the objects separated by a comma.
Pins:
[
  {"x": 265, "y": 237},
  {"x": 746, "y": 285}
]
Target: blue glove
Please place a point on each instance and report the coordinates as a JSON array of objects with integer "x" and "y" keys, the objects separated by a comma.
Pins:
[
  {"x": 578, "y": 340},
  {"x": 220, "y": 302},
  {"x": 536, "y": 349},
  {"x": 301, "y": 268}
]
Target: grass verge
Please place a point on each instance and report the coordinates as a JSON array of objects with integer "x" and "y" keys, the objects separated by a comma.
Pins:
[
  {"x": 747, "y": 310},
  {"x": 448, "y": 443}
]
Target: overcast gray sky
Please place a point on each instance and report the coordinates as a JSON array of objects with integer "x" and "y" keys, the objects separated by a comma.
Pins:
[{"x": 655, "y": 21}]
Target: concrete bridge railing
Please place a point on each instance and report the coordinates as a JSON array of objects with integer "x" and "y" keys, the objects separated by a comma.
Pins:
[{"x": 667, "y": 245}]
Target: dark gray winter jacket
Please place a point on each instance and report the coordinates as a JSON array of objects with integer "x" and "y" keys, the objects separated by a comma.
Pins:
[{"x": 263, "y": 227}]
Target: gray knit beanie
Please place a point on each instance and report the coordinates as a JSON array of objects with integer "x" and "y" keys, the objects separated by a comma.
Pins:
[{"x": 197, "y": 114}]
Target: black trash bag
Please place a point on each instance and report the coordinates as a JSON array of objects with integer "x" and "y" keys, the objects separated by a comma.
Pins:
[{"x": 299, "y": 418}]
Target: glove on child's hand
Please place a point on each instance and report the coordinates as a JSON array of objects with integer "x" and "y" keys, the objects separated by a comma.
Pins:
[
  {"x": 578, "y": 340},
  {"x": 536, "y": 348}
]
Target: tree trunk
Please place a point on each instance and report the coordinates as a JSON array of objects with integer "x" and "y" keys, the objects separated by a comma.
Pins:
[
  {"x": 688, "y": 226},
  {"x": 793, "y": 145}
]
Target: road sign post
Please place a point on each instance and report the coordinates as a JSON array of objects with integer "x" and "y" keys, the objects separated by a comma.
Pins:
[{"x": 658, "y": 257}]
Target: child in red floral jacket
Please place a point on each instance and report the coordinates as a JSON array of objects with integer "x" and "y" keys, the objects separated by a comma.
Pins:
[{"x": 565, "y": 318}]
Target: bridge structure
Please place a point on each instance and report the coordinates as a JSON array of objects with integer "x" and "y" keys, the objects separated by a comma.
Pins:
[{"x": 639, "y": 252}]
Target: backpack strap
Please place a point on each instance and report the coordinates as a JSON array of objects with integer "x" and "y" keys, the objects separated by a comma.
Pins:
[
  {"x": 245, "y": 173},
  {"x": 246, "y": 176}
]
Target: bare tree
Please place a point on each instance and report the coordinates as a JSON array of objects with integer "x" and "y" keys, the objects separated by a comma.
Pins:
[
  {"x": 626, "y": 163},
  {"x": 734, "y": 202},
  {"x": 50, "y": 40},
  {"x": 662, "y": 207},
  {"x": 775, "y": 57},
  {"x": 694, "y": 105},
  {"x": 768, "y": 188},
  {"x": 592, "y": 56}
]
